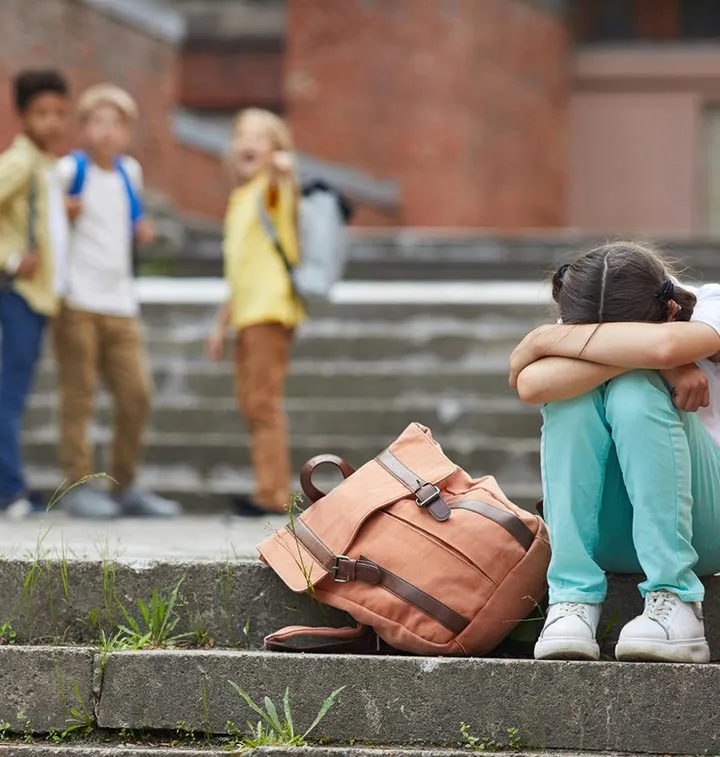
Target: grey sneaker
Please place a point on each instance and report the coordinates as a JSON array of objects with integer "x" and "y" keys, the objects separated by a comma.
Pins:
[
  {"x": 85, "y": 502},
  {"x": 136, "y": 502}
]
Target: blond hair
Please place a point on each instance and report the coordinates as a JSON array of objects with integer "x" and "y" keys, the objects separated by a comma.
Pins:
[
  {"x": 277, "y": 128},
  {"x": 107, "y": 94}
]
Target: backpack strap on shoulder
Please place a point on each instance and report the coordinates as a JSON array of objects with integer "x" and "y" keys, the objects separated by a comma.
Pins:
[
  {"x": 81, "y": 165},
  {"x": 136, "y": 207}
]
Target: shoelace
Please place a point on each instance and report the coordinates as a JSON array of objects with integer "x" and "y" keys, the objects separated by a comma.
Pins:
[
  {"x": 565, "y": 609},
  {"x": 659, "y": 605}
]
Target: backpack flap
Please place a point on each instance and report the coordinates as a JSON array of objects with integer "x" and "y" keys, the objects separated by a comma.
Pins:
[{"x": 304, "y": 552}]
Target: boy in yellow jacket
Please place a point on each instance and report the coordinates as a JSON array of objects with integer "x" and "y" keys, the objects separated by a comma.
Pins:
[{"x": 32, "y": 231}]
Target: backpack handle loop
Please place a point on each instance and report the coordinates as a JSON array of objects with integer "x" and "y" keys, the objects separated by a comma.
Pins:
[{"x": 306, "y": 474}]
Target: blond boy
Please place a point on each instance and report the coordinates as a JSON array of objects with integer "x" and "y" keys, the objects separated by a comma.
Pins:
[{"x": 98, "y": 334}]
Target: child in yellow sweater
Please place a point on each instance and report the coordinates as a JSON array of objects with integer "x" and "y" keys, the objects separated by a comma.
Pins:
[{"x": 263, "y": 308}]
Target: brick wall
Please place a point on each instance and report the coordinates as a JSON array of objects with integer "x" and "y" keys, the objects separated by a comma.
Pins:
[
  {"x": 462, "y": 101},
  {"x": 91, "y": 47},
  {"x": 224, "y": 76}
]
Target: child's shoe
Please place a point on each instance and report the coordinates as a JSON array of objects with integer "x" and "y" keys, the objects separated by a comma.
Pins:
[
  {"x": 146, "y": 504},
  {"x": 84, "y": 501},
  {"x": 569, "y": 632},
  {"x": 669, "y": 630}
]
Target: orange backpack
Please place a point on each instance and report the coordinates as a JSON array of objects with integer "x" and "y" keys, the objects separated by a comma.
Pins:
[{"x": 430, "y": 560}]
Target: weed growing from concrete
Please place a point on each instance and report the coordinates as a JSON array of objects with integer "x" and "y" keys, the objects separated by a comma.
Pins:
[
  {"x": 271, "y": 730},
  {"x": 158, "y": 621},
  {"x": 108, "y": 644},
  {"x": 7, "y": 634},
  {"x": 200, "y": 633},
  {"x": 64, "y": 570},
  {"x": 5, "y": 729},
  {"x": 185, "y": 733},
  {"x": 80, "y": 721},
  {"x": 27, "y": 731},
  {"x": 476, "y": 744}
]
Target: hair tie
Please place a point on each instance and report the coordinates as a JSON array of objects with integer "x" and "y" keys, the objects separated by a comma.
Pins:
[
  {"x": 666, "y": 291},
  {"x": 557, "y": 280}
]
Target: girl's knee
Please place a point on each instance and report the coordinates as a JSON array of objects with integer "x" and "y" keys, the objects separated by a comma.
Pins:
[
  {"x": 631, "y": 394},
  {"x": 574, "y": 409}
]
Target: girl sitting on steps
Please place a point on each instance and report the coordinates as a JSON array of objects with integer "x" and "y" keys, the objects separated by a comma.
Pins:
[{"x": 630, "y": 386}]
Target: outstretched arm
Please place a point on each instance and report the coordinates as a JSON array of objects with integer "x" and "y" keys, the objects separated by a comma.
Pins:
[{"x": 657, "y": 346}]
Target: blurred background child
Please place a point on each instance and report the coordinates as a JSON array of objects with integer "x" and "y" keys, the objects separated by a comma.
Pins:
[
  {"x": 98, "y": 332},
  {"x": 33, "y": 234},
  {"x": 263, "y": 310}
]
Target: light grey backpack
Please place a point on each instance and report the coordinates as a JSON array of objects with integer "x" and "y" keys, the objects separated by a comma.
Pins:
[{"x": 322, "y": 220}]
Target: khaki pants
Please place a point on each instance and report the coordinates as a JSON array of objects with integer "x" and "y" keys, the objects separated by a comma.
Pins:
[
  {"x": 262, "y": 358},
  {"x": 89, "y": 346}
]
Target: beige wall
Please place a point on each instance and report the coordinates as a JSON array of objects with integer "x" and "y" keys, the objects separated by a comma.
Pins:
[
  {"x": 639, "y": 157},
  {"x": 634, "y": 162}
]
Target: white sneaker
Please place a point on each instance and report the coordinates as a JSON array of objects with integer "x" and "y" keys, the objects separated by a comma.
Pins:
[
  {"x": 569, "y": 632},
  {"x": 669, "y": 630}
]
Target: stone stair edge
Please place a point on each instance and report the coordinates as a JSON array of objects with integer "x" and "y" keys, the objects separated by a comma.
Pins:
[
  {"x": 119, "y": 748},
  {"x": 401, "y": 700},
  {"x": 235, "y": 602}
]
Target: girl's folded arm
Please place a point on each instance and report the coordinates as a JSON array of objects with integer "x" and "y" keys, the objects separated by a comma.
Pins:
[
  {"x": 627, "y": 345},
  {"x": 555, "y": 379}
]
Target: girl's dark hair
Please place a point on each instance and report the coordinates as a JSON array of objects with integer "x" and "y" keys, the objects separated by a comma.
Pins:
[
  {"x": 30, "y": 84},
  {"x": 620, "y": 281}
]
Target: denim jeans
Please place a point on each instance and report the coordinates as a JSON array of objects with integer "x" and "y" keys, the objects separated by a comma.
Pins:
[
  {"x": 22, "y": 330},
  {"x": 631, "y": 485}
]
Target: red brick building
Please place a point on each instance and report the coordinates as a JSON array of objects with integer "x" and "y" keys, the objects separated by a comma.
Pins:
[{"x": 508, "y": 114}]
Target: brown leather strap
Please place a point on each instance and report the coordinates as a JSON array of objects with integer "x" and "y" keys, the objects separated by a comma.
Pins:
[
  {"x": 511, "y": 523},
  {"x": 344, "y": 569},
  {"x": 341, "y": 567},
  {"x": 432, "y": 607},
  {"x": 306, "y": 473},
  {"x": 358, "y": 640},
  {"x": 427, "y": 495}
]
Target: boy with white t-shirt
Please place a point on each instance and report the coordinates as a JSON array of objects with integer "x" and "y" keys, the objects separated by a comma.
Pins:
[{"x": 98, "y": 333}]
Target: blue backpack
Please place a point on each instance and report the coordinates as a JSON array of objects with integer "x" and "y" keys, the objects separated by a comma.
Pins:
[{"x": 82, "y": 162}]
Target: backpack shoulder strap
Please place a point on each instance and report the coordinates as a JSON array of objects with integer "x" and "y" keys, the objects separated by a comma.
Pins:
[
  {"x": 136, "y": 207},
  {"x": 272, "y": 232},
  {"x": 82, "y": 161}
]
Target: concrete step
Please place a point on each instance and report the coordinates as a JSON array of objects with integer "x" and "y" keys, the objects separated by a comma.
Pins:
[
  {"x": 186, "y": 304},
  {"x": 489, "y": 416},
  {"x": 422, "y": 255},
  {"x": 332, "y": 379},
  {"x": 177, "y": 746},
  {"x": 574, "y": 706},
  {"x": 51, "y": 594},
  {"x": 449, "y": 340},
  {"x": 213, "y": 493},
  {"x": 213, "y": 454}
]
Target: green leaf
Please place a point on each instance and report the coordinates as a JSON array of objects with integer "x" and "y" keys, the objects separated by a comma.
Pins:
[
  {"x": 272, "y": 714},
  {"x": 326, "y": 705},
  {"x": 249, "y": 702},
  {"x": 288, "y": 711}
]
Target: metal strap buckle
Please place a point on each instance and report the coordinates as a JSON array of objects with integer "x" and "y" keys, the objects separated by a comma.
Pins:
[
  {"x": 429, "y": 499},
  {"x": 335, "y": 569}
]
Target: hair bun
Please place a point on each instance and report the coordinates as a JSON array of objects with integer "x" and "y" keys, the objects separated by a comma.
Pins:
[
  {"x": 666, "y": 291},
  {"x": 557, "y": 280}
]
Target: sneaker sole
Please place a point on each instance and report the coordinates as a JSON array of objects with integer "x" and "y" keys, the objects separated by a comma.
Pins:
[
  {"x": 567, "y": 649},
  {"x": 652, "y": 650}
]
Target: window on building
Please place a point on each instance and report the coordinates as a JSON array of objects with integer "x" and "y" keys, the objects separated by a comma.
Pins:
[{"x": 608, "y": 21}]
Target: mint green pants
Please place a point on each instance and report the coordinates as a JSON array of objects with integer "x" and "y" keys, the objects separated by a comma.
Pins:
[{"x": 631, "y": 485}]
